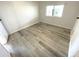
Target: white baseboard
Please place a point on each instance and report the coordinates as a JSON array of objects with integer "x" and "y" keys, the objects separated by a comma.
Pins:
[
  {"x": 23, "y": 27},
  {"x": 57, "y": 25}
]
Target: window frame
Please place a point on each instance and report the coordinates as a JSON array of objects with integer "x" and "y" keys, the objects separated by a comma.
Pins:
[{"x": 54, "y": 9}]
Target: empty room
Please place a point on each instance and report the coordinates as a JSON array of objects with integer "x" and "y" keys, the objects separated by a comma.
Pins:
[{"x": 39, "y": 28}]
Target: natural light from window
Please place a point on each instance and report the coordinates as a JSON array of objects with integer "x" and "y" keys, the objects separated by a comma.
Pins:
[{"x": 56, "y": 10}]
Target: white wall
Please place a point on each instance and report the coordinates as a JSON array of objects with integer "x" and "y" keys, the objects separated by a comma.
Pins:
[
  {"x": 68, "y": 18},
  {"x": 74, "y": 41},
  {"x": 3, "y": 34},
  {"x": 18, "y": 15}
]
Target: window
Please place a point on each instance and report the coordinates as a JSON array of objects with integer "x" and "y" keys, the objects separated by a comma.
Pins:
[{"x": 56, "y": 10}]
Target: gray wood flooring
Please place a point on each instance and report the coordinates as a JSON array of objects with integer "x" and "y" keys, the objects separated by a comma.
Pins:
[{"x": 39, "y": 40}]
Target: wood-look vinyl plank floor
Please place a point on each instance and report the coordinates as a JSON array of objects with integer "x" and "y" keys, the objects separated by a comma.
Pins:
[{"x": 39, "y": 40}]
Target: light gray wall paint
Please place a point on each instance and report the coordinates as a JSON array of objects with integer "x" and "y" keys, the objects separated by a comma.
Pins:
[
  {"x": 69, "y": 14},
  {"x": 18, "y": 15}
]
